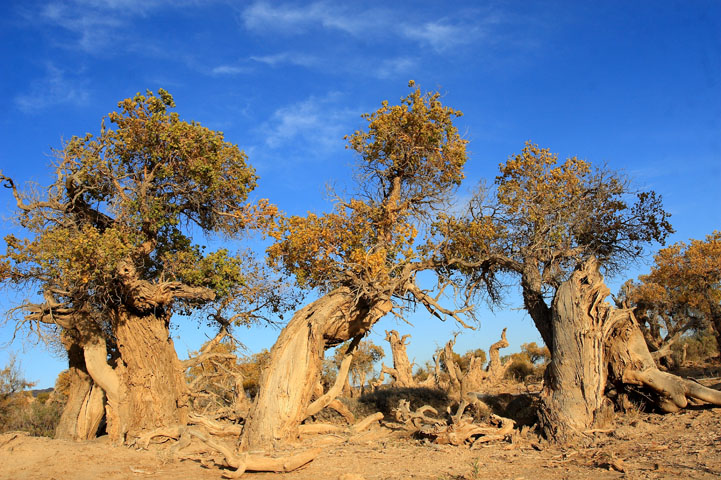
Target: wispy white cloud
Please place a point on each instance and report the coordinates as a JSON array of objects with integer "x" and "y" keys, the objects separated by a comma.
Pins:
[
  {"x": 287, "y": 58},
  {"x": 55, "y": 88},
  {"x": 230, "y": 70},
  {"x": 96, "y": 24},
  {"x": 442, "y": 34},
  {"x": 317, "y": 123},
  {"x": 293, "y": 19},
  {"x": 392, "y": 67}
]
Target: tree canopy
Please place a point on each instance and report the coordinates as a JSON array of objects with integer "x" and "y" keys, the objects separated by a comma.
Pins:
[
  {"x": 411, "y": 160},
  {"x": 545, "y": 217},
  {"x": 115, "y": 225},
  {"x": 682, "y": 292}
]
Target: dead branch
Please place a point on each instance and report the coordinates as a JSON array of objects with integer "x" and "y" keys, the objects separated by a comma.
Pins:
[
  {"x": 456, "y": 429},
  {"x": 340, "y": 407},
  {"x": 366, "y": 422},
  {"x": 436, "y": 309},
  {"x": 413, "y": 420},
  {"x": 319, "y": 428},
  {"x": 337, "y": 387}
]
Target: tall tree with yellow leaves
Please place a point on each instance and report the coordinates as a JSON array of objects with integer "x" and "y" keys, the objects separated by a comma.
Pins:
[
  {"x": 363, "y": 256},
  {"x": 555, "y": 225},
  {"x": 681, "y": 293},
  {"x": 108, "y": 247}
]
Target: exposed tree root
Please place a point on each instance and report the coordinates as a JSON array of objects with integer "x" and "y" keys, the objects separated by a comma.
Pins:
[
  {"x": 321, "y": 428},
  {"x": 206, "y": 432},
  {"x": 457, "y": 429},
  {"x": 630, "y": 362}
]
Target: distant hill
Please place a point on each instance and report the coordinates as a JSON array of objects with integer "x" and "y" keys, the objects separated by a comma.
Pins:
[{"x": 41, "y": 390}]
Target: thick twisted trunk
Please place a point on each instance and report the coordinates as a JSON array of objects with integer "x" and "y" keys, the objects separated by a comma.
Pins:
[
  {"x": 595, "y": 344},
  {"x": 84, "y": 409},
  {"x": 575, "y": 379},
  {"x": 153, "y": 392},
  {"x": 288, "y": 381}
]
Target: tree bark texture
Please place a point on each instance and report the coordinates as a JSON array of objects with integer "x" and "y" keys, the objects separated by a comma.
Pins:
[
  {"x": 575, "y": 379},
  {"x": 287, "y": 383},
  {"x": 402, "y": 371},
  {"x": 594, "y": 345},
  {"x": 631, "y": 363},
  {"x": 84, "y": 409},
  {"x": 153, "y": 392}
]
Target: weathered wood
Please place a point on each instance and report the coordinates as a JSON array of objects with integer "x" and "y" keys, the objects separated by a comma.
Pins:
[
  {"x": 84, "y": 408},
  {"x": 153, "y": 391},
  {"x": 296, "y": 359},
  {"x": 402, "y": 371},
  {"x": 595, "y": 343},
  {"x": 575, "y": 379}
]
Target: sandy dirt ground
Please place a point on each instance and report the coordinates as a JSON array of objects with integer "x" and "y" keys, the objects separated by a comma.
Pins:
[{"x": 683, "y": 445}]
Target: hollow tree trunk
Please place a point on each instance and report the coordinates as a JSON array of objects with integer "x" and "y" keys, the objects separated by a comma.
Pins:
[
  {"x": 575, "y": 379},
  {"x": 84, "y": 409},
  {"x": 153, "y": 392},
  {"x": 295, "y": 365}
]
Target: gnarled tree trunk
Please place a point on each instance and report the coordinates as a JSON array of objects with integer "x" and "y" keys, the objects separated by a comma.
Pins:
[
  {"x": 287, "y": 383},
  {"x": 496, "y": 370},
  {"x": 402, "y": 371},
  {"x": 631, "y": 363},
  {"x": 475, "y": 377},
  {"x": 84, "y": 409},
  {"x": 594, "y": 343},
  {"x": 575, "y": 379},
  {"x": 153, "y": 391}
]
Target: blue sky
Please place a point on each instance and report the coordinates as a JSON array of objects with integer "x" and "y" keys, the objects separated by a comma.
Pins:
[{"x": 634, "y": 85}]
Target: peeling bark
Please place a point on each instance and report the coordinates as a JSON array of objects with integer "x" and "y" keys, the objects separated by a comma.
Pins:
[
  {"x": 595, "y": 343},
  {"x": 575, "y": 379},
  {"x": 84, "y": 409}
]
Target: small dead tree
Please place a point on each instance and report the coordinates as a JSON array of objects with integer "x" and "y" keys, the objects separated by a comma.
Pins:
[
  {"x": 402, "y": 371},
  {"x": 475, "y": 377}
]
